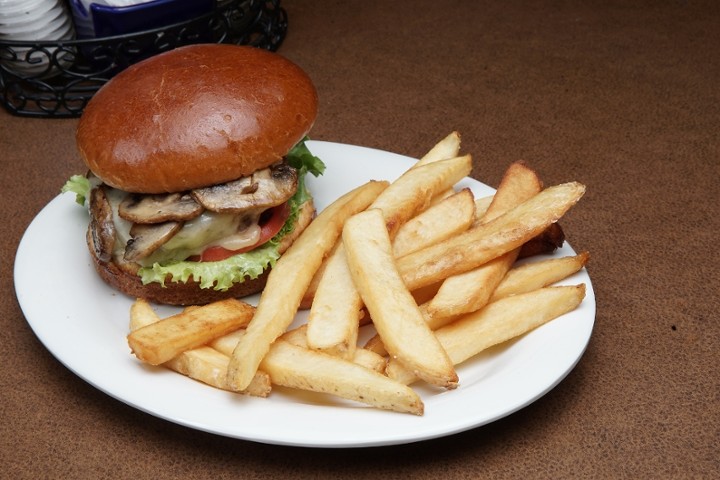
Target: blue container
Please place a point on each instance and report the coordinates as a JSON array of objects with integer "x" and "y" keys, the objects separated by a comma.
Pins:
[{"x": 97, "y": 20}]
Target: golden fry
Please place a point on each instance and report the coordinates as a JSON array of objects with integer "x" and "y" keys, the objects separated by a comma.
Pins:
[
  {"x": 309, "y": 295},
  {"x": 335, "y": 313},
  {"x": 366, "y": 358},
  {"x": 227, "y": 343},
  {"x": 498, "y": 322},
  {"x": 414, "y": 190},
  {"x": 448, "y": 147},
  {"x": 204, "y": 364},
  {"x": 466, "y": 292},
  {"x": 471, "y": 290},
  {"x": 164, "y": 340},
  {"x": 292, "y": 366},
  {"x": 395, "y": 314},
  {"x": 534, "y": 275},
  {"x": 452, "y": 215},
  {"x": 370, "y": 360},
  {"x": 519, "y": 184},
  {"x": 289, "y": 279},
  {"x": 522, "y": 279},
  {"x": 483, "y": 243}
]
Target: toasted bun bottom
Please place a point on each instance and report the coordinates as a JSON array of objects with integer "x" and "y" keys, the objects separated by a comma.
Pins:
[{"x": 190, "y": 293}]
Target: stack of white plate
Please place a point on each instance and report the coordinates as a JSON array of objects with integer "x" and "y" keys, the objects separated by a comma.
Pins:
[{"x": 30, "y": 21}]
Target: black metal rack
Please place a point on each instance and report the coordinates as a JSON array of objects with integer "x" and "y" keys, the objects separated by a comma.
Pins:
[{"x": 57, "y": 79}]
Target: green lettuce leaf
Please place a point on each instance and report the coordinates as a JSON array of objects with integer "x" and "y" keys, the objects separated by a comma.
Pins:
[
  {"x": 80, "y": 186},
  {"x": 304, "y": 161},
  {"x": 217, "y": 275}
]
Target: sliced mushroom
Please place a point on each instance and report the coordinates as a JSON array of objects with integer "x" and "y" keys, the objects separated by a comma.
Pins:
[
  {"x": 101, "y": 227},
  {"x": 262, "y": 190},
  {"x": 148, "y": 238},
  {"x": 159, "y": 208}
]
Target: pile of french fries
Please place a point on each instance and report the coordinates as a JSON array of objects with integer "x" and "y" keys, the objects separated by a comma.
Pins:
[{"x": 433, "y": 271}]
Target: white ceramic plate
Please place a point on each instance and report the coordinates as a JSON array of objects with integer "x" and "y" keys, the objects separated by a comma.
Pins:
[{"x": 83, "y": 323}]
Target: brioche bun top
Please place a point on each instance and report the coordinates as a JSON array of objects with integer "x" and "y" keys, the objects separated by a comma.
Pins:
[{"x": 195, "y": 116}]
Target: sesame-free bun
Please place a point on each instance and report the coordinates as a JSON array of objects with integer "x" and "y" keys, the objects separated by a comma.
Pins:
[{"x": 195, "y": 116}]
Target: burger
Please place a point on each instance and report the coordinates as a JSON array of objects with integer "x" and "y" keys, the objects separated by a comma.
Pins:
[{"x": 197, "y": 165}]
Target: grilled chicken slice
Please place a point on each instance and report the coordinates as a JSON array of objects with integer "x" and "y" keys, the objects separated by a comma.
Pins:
[
  {"x": 146, "y": 209},
  {"x": 263, "y": 189}
]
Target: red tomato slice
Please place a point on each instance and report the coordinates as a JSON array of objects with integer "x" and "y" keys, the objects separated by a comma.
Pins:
[
  {"x": 274, "y": 223},
  {"x": 271, "y": 222}
]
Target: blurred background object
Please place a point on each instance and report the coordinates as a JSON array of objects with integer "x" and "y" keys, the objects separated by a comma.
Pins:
[
  {"x": 54, "y": 71},
  {"x": 31, "y": 21},
  {"x": 105, "y": 18}
]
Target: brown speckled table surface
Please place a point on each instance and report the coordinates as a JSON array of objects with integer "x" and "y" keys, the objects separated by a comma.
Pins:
[{"x": 622, "y": 96}]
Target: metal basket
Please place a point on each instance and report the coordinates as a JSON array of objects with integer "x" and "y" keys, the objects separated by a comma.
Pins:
[{"x": 57, "y": 79}]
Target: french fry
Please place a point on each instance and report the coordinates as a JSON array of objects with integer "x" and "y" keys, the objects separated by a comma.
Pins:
[
  {"x": 483, "y": 243},
  {"x": 370, "y": 360},
  {"x": 452, "y": 215},
  {"x": 292, "y": 366},
  {"x": 448, "y": 147},
  {"x": 227, "y": 343},
  {"x": 208, "y": 366},
  {"x": 309, "y": 295},
  {"x": 519, "y": 183},
  {"x": 416, "y": 279},
  {"x": 522, "y": 279},
  {"x": 414, "y": 190},
  {"x": 204, "y": 364},
  {"x": 498, "y": 322},
  {"x": 375, "y": 345},
  {"x": 471, "y": 290},
  {"x": 366, "y": 358},
  {"x": 395, "y": 315},
  {"x": 411, "y": 193},
  {"x": 426, "y": 293},
  {"x": 142, "y": 314},
  {"x": 548, "y": 241},
  {"x": 164, "y": 340},
  {"x": 533, "y": 275},
  {"x": 334, "y": 318},
  {"x": 281, "y": 298},
  {"x": 442, "y": 196},
  {"x": 466, "y": 292}
]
